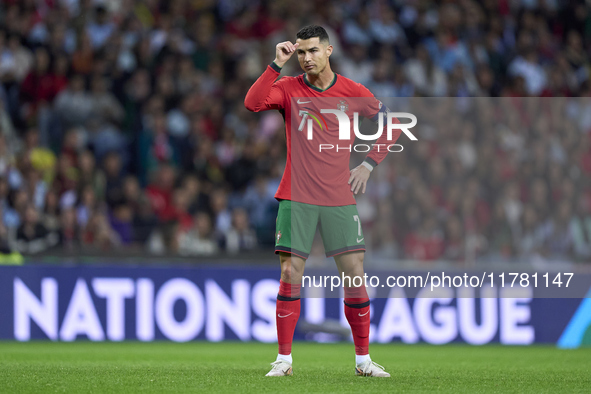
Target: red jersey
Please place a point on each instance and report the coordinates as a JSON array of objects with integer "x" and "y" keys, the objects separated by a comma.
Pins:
[{"x": 314, "y": 172}]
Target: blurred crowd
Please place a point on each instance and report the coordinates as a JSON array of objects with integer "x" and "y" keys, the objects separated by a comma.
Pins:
[
  {"x": 123, "y": 126},
  {"x": 495, "y": 180}
]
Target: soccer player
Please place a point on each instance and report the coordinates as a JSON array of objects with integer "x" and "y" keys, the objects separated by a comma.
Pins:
[{"x": 317, "y": 187}]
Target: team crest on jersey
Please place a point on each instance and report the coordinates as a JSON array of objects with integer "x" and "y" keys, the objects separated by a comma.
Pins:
[{"x": 343, "y": 106}]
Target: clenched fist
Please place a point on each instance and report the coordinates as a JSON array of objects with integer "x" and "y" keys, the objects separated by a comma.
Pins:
[{"x": 283, "y": 52}]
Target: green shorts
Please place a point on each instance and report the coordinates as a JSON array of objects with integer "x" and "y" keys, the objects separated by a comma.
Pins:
[{"x": 340, "y": 228}]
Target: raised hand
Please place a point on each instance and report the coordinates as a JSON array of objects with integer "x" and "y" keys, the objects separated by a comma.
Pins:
[{"x": 283, "y": 52}]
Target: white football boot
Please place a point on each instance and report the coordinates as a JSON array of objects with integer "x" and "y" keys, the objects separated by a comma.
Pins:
[
  {"x": 369, "y": 368},
  {"x": 281, "y": 368}
]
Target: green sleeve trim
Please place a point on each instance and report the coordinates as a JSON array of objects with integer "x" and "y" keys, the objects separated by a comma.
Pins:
[
  {"x": 275, "y": 67},
  {"x": 371, "y": 162}
]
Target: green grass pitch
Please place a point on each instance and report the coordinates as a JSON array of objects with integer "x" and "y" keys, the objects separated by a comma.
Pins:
[{"x": 82, "y": 367}]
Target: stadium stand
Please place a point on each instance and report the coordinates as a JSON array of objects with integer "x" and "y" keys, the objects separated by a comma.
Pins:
[{"x": 123, "y": 126}]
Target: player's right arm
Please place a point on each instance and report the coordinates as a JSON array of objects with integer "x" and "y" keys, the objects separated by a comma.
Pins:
[{"x": 266, "y": 93}]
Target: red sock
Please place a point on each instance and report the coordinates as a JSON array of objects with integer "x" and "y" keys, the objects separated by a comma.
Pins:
[
  {"x": 289, "y": 289},
  {"x": 288, "y": 313},
  {"x": 357, "y": 314}
]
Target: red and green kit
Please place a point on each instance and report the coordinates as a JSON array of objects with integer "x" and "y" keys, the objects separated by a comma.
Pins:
[{"x": 314, "y": 189}]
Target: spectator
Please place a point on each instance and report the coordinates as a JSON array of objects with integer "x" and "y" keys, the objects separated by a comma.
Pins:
[
  {"x": 38, "y": 87},
  {"x": 180, "y": 200},
  {"x": 427, "y": 243},
  {"x": 112, "y": 167},
  {"x": 88, "y": 174},
  {"x": 61, "y": 69},
  {"x": 83, "y": 57},
  {"x": 357, "y": 66},
  {"x": 32, "y": 237},
  {"x": 261, "y": 206},
  {"x": 40, "y": 158},
  {"x": 528, "y": 67},
  {"x": 240, "y": 237},
  {"x": 177, "y": 119},
  {"x": 454, "y": 240},
  {"x": 385, "y": 30},
  {"x": 427, "y": 78},
  {"x": 528, "y": 242},
  {"x": 580, "y": 228},
  {"x": 358, "y": 31},
  {"x": 157, "y": 146},
  {"x": 74, "y": 105},
  {"x": 196, "y": 195},
  {"x": 121, "y": 221},
  {"x": 132, "y": 193},
  {"x": 86, "y": 205},
  {"x": 221, "y": 212},
  {"x": 50, "y": 217},
  {"x": 105, "y": 106},
  {"x": 243, "y": 169},
  {"x": 36, "y": 188},
  {"x": 104, "y": 138},
  {"x": 101, "y": 29},
  {"x": 446, "y": 51},
  {"x": 381, "y": 84},
  {"x": 7, "y": 159},
  {"x": 69, "y": 230},
  {"x": 99, "y": 235},
  {"x": 500, "y": 245},
  {"x": 66, "y": 179},
  {"x": 555, "y": 236},
  {"x": 200, "y": 240},
  {"x": 13, "y": 212},
  {"x": 144, "y": 222},
  {"x": 16, "y": 60},
  {"x": 8, "y": 255}
]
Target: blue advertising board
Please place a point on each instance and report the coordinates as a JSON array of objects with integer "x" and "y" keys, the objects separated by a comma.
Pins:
[{"x": 211, "y": 303}]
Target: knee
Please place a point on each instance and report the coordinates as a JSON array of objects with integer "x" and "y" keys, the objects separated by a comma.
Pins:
[
  {"x": 289, "y": 270},
  {"x": 289, "y": 274},
  {"x": 354, "y": 270},
  {"x": 353, "y": 266},
  {"x": 286, "y": 275}
]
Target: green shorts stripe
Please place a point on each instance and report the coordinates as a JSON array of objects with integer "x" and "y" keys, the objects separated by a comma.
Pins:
[{"x": 345, "y": 250}]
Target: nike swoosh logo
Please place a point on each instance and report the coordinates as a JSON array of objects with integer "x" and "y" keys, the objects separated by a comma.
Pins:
[
  {"x": 281, "y": 317},
  {"x": 359, "y": 240},
  {"x": 303, "y": 102},
  {"x": 363, "y": 314}
]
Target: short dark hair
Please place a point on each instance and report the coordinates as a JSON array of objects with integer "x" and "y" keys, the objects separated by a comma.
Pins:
[{"x": 313, "y": 31}]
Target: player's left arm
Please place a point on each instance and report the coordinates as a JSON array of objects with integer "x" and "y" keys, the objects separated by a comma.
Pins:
[{"x": 372, "y": 110}]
